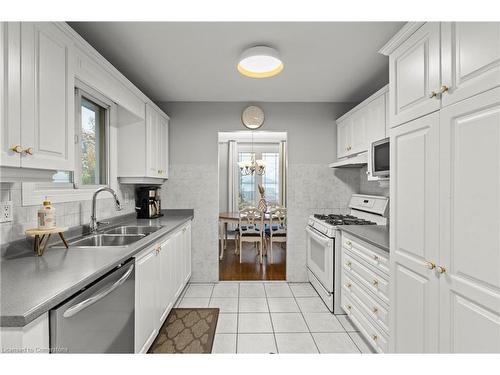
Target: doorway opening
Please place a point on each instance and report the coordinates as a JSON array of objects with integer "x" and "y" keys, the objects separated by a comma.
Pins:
[{"x": 252, "y": 205}]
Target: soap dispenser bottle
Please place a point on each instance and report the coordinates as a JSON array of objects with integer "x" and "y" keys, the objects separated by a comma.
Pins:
[{"x": 46, "y": 215}]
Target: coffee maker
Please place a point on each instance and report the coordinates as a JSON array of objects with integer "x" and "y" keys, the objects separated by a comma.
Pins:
[{"x": 148, "y": 202}]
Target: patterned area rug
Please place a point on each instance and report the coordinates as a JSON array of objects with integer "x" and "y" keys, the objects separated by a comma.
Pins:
[{"x": 187, "y": 331}]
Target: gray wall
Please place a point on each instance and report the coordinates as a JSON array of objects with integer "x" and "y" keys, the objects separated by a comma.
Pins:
[
  {"x": 312, "y": 186},
  {"x": 370, "y": 187}
]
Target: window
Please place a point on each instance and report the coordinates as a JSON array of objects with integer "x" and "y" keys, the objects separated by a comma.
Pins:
[
  {"x": 270, "y": 180},
  {"x": 92, "y": 135}
]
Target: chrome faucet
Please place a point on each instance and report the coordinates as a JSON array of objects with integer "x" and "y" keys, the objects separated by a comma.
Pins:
[{"x": 93, "y": 217}]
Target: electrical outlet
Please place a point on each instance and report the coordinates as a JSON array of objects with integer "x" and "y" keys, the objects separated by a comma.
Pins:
[{"x": 5, "y": 211}]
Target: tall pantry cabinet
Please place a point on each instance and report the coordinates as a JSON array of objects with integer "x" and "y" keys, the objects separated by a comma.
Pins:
[{"x": 445, "y": 187}]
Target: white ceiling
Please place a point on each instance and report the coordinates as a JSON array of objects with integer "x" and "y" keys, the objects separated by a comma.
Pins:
[{"x": 196, "y": 61}]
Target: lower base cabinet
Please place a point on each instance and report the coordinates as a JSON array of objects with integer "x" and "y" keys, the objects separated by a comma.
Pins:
[{"x": 162, "y": 272}]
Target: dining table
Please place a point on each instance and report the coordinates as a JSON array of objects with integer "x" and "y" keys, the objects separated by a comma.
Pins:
[{"x": 226, "y": 218}]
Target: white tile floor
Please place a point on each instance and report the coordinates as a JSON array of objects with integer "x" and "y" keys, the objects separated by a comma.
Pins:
[{"x": 273, "y": 317}]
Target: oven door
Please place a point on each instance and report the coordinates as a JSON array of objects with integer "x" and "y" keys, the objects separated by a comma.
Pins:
[{"x": 320, "y": 252}]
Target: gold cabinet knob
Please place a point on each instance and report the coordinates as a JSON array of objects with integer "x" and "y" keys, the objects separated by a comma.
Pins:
[
  {"x": 441, "y": 269},
  {"x": 17, "y": 149},
  {"x": 349, "y": 307},
  {"x": 348, "y": 243},
  {"x": 374, "y": 337},
  {"x": 444, "y": 89},
  {"x": 375, "y": 257},
  {"x": 348, "y": 264},
  {"x": 430, "y": 265},
  {"x": 29, "y": 151},
  {"x": 375, "y": 282},
  {"x": 375, "y": 310},
  {"x": 348, "y": 285},
  {"x": 433, "y": 94}
]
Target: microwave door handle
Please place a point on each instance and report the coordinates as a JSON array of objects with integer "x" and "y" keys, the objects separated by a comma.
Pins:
[
  {"x": 75, "y": 309},
  {"x": 317, "y": 237}
]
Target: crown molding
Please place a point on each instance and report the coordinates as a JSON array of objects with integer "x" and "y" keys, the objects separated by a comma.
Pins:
[{"x": 403, "y": 34}]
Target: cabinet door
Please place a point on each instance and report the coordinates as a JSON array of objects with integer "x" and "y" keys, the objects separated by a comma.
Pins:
[
  {"x": 47, "y": 97},
  {"x": 470, "y": 225},
  {"x": 163, "y": 146},
  {"x": 179, "y": 263},
  {"x": 358, "y": 132},
  {"x": 165, "y": 286},
  {"x": 146, "y": 305},
  {"x": 375, "y": 129},
  {"x": 187, "y": 252},
  {"x": 414, "y": 69},
  {"x": 10, "y": 81},
  {"x": 414, "y": 236},
  {"x": 470, "y": 59},
  {"x": 151, "y": 142},
  {"x": 343, "y": 137}
]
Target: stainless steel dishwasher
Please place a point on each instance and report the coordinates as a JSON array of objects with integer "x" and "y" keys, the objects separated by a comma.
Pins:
[{"x": 98, "y": 319}]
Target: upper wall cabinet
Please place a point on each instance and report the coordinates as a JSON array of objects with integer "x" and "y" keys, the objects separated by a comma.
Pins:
[
  {"x": 37, "y": 97},
  {"x": 414, "y": 75},
  {"x": 470, "y": 53},
  {"x": 362, "y": 125},
  {"x": 148, "y": 141},
  {"x": 433, "y": 65}
]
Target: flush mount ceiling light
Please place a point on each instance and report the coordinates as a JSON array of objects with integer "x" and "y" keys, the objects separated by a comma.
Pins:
[{"x": 260, "y": 62}]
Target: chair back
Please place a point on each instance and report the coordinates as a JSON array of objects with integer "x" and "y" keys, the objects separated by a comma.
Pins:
[
  {"x": 277, "y": 216},
  {"x": 250, "y": 220}
]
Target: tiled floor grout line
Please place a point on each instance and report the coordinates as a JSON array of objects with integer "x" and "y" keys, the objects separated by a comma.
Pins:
[
  {"x": 305, "y": 321},
  {"x": 271, "y": 318}
]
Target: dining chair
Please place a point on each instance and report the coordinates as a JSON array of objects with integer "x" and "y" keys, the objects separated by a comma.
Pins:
[
  {"x": 277, "y": 229},
  {"x": 251, "y": 229}
]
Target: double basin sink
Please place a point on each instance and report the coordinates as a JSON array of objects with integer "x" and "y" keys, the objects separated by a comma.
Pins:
[{"x": 118, "y": 236}]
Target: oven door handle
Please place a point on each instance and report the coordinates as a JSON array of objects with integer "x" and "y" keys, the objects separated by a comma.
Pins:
[
  {"x": 317, "y": 237},
  {"x": 75, "y": 309}
]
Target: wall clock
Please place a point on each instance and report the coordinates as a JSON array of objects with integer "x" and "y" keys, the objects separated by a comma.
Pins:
[{"x": 252, "y": 117}]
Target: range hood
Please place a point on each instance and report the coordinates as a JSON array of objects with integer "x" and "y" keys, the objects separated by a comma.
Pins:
[{"x": 356, "y": 161}]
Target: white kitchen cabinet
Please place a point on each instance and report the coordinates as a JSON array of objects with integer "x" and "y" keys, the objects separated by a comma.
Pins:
[
  {"x": 38, "y": 82},
  {"x": 414, "y": 75},
  {"x": 470, "y": 59},
  {"x": 162, "y": 273},
  {"x": 47, "y": 97},
  {"x": 146, "y": 299},
  {"x": 414, "y": 230},
  {"x": 470, "y": 225},
  {"x": 362, "y": 125},
  {"x": 10, "y": 90},
  {"x": 148, "y": 164}
]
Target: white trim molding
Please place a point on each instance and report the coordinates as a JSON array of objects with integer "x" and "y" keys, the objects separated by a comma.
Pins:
[{"x": 402, "y": 35}]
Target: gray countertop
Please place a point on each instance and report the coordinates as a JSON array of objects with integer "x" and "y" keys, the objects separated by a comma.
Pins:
[
  {"x": 32, "y": 285},
  {"x": 377, "y": 235}
]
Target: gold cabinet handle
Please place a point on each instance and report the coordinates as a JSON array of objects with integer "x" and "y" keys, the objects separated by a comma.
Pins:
[
  {"x": 433, "y": 94},
  {"x": 29, "y": 151},
  {"x": 374, "y": 337},
  {"x": 430, "y": 265},
  {"x": 375, "y": 310},
  {"x": 375, "y": 282},
  {"x": 348, "y": 243},
  {"x": 348, "y": 285},
  {"x": 17, "y": 149},
  {"x": 375, "y": 257},
  {"x": 444, "y": 89},
  {"x": 441, "y": 269},
  {"x": 348, "y": 264},
  {"x": 349, "y": 307}
]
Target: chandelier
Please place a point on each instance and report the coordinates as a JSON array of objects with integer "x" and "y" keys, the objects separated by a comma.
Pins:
[{"x": 252, "y": 167}]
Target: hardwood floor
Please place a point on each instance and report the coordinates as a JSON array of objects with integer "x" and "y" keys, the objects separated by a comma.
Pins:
[{"x": 230, "y": 267}]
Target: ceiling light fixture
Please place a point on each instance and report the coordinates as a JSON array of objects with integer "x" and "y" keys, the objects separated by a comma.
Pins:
[{"x": 260, "y": 62}]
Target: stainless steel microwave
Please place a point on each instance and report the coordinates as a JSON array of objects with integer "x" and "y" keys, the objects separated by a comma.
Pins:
[{"x": 380, "y": 158}]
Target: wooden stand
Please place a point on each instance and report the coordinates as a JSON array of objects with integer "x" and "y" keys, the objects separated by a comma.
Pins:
[{"x": 42, "y": 237}]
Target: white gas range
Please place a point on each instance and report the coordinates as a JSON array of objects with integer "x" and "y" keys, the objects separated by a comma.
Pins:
[{"x": 323, "y": 252}]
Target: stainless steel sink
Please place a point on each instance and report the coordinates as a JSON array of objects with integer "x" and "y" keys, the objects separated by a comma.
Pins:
[
  {"x": 101, "y": 240},
  {"x": 130, "y": 229}
]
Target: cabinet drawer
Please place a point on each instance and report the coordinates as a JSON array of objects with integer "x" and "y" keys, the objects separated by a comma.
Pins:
[
  {"x": 375, "y": 337},
  {"x": 371, "y": 307},
  {"x": 370, "y": 254},
  {"x": 375, "y": 283}
]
